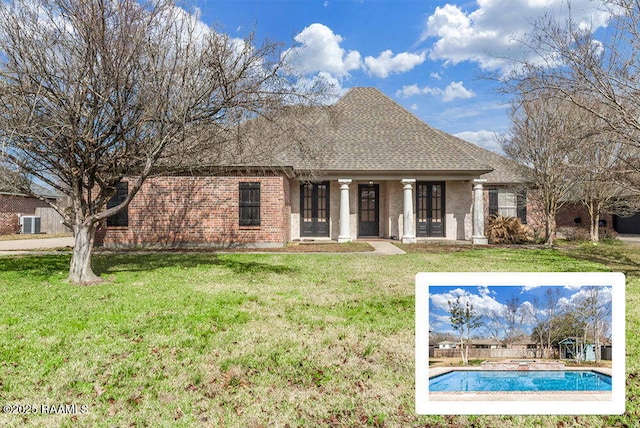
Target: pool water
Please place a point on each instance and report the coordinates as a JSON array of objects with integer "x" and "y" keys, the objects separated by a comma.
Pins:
[{"x": 509, "y": 380}]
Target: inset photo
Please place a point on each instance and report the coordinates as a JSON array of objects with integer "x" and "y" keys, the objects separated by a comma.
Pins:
[{"x": 520, "y": 343}]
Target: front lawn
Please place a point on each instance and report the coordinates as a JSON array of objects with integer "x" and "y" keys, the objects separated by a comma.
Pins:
[{"x": 249, "y": 339}]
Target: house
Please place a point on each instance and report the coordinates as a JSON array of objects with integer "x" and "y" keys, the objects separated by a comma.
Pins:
[
  {"x": 447, "y": 344},
  {"x": 14, "y": 205},
  {"x": 485, "y": 344},
  {"x": 575, "y": 215},
  {"x": 522, "y": 342},
  {"x": 388, "y": 174}
]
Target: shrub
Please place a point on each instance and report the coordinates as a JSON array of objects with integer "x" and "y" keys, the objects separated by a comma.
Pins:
[
  {"x": 573, "y": 233},
  {"x": 506, "y": 230},
  {"x": 608, "y": 235}
]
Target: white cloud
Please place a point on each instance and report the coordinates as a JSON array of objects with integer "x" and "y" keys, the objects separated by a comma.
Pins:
[
  {"x": 436, "y": 76},
  {"x": 320, "y": 51},
  {"x": 453, "y": 91},
  {"x": 603, "y": 295},
  {"x": 486, "y": 140},
  {"x": 386, "y": 63},
  {"x": 483, "y": 304},
  {"x": 456, "y": 90},
  {"x": 490, "y": 34}
]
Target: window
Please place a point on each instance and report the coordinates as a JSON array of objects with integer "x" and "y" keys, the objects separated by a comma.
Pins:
[
  {"x": 508, "y": 203},
  {"x": 121, "y": 218},
  {"x": 249, "y": 204}
]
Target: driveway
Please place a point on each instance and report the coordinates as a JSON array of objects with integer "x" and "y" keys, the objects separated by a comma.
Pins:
[
  {"x": 18, "y": 246},
  {"x": 630, "y": 239}
]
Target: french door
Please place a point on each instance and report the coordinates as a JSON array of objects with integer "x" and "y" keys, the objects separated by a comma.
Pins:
[
  {"x": 314, "y": 209},
  {"x": 430, "y": 208},
  {"x": 368, "y": 210}
]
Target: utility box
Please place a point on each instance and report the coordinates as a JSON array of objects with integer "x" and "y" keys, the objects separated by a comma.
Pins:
[{"x": 29, "y": 224}]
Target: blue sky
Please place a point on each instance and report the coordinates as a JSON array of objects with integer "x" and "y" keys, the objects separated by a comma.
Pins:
[
  {"x": 488, "y": 300},
  {"x": 429, "y": 56}
]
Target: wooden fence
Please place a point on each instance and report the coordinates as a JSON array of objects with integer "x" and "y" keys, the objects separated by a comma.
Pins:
[
  {"x": 475, "y": 353},
  {"x": 51, "y": 221}
]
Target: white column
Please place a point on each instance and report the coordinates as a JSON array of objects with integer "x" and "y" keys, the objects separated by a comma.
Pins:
[
  {"x": 478, "y": 237},
  {"x": 409, "y": 228},
  {"x": 345, "y": 232}
]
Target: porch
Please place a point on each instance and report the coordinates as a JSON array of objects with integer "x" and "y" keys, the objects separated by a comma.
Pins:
[{"x": 406, "y": 209}]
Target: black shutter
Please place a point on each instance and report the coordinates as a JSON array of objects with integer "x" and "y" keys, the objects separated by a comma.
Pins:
[
  {"x": 521, "y": 204},
  {"x": 493, "y": 202},
  {"x": 249, "y": 204}
]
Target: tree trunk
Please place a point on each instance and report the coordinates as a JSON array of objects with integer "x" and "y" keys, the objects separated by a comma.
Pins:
[
  {"x": 594, "y": 216},
  {"x": 80, "y": 271},
  {"x": 550, "y": 223}
]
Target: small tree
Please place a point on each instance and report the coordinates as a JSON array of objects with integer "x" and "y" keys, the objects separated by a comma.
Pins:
[{"x": 464, "y": 319}]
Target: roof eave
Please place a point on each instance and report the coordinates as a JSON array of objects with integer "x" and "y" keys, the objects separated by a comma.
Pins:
[{"x": 433, "y": 175}]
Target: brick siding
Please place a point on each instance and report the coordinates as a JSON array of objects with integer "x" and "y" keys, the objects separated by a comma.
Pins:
[
  {"x": 576, "y": 214},
  {"x": 12, "y": 207},
  {"x": 202, "y": 211}
]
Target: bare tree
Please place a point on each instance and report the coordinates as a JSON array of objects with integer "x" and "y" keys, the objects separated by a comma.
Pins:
[
  {"x": 597, "y": 183},
  {"x": 598, "y": 74},
  {"x": 464, "y": 319},
  {"x": 505, "y": 325},
  {"x": 594, "y": 310},
  {"x": 542, "y": 140},
  {"x": 545, "y": 314},
  {"x": 94, "y": 92}
]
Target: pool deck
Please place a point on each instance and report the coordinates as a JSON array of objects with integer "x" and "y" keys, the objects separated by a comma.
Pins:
[
  {"x": 517, "y": 395},
  {"x": 521, "y": 396}
]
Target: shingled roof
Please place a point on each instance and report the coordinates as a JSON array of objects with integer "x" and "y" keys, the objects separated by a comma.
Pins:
[
  {"x": 374, "y": 133},
  {"x": 367, "y": 132}
]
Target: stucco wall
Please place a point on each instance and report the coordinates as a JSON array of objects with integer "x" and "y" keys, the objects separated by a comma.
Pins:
[{"x": 459, "y": 202}]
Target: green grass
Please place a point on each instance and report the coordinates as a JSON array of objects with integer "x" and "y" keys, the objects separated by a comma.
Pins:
[{"x": 250, "y": 339}]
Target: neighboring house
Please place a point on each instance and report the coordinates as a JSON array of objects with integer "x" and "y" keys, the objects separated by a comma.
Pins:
[
  {"x": 523, "y": 343},
  {"x": 13, "y": 205},
  {"x": 388, "y": 175},
  {"x": 485, "y": 344},
  {"x": 447, "y": 345},
  {"x": 576, "y": 215}
]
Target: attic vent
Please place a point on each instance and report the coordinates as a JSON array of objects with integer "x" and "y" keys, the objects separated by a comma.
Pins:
[{"x": 29, "y": 224}]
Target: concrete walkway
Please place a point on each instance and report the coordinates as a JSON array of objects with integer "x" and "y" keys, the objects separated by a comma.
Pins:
[{"x": 384, "y": 248}]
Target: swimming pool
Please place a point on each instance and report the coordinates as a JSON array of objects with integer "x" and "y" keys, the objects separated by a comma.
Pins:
[{"x": 510, "y": 380}]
